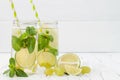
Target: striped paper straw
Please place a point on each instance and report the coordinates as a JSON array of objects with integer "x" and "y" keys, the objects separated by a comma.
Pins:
[
  {"x": 14, "y": 11},
  {"x": 35, "y": 11}
]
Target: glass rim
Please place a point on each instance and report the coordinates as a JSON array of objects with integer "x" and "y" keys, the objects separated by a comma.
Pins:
[
  {"x": 30, "y": 21},
  {"x": 49, "y": 22}
]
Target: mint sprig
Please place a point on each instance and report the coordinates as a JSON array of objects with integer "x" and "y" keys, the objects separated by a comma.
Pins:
[
  {"x": 44, "y": 40},
  {"x": 13, "y": 70},
  {"x": 26, "y": 40},
  {"x": 35, "y": 10},
  {"x": 52, "y": 50}
]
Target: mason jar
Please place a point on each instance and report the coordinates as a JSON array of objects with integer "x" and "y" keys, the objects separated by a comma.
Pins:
[
  {"x": 24, "y": 39},
  {"x": 47, "y": 43}
]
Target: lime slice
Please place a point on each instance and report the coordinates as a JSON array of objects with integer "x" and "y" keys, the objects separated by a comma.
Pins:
[
  {"x": 46, "y": 59},
  {"x": 24, "y": 59},
  {"x": 16, "y": 32},
  {"x": 69, "y": 59},
  {"x": 72, "y": 70}
]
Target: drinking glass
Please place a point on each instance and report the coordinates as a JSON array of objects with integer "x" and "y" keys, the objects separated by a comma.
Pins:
[
  {"x": 24, "y": 39},
  {"x": 47, "y": 40}
]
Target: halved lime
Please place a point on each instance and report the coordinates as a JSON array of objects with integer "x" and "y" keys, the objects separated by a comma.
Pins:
[{"x": 69, "y": 59}]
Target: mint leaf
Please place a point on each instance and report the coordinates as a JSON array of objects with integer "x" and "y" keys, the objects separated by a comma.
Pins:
[
  {"x": 50, "y": 37},
  {"x": 5, "y": 72},
  {"x": 13, "y": 70},
  {"x": 52, "y": 50},
  {"x": 31, "y": 31},
  {"x": 23, "y": 36},
  {"x": 11, "y": 66},
  {"x": 31, "y": 44},
  {"x": 12, "y": 61},
  {"x": 20, "y": 73},
  {"x": 24, "y": 43},
  {"x": 43, "y": 41},
  {"x": 16, "y": 43},
  {"x": 28, "y": 40},
  {"x": 11, "y": 73},
  {"x": 47, "y": 32}
]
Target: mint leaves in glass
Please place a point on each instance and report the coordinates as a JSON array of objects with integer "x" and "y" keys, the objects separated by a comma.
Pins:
[{"x": 48, "y": 37}]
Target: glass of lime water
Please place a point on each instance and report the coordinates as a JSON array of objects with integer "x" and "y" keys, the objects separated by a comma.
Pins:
[
  {"x": 24, "y": 49},
  {"x": 47, "y": 43}
]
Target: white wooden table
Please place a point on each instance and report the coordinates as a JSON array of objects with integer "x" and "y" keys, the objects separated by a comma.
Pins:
[{"x": 105, "y": 66}]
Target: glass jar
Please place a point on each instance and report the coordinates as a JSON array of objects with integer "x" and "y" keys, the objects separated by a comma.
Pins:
[
  {"x": 24, "y": 44},
  {"x": 47, "y": 43}
]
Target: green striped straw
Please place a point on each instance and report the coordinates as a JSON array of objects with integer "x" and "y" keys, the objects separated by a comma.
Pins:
[
  {"x": 14, "y": 11},
  {"x": 35, "y": 11}
]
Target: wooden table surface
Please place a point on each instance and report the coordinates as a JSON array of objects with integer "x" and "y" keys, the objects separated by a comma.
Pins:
[{"x": 105, "y": 66}]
